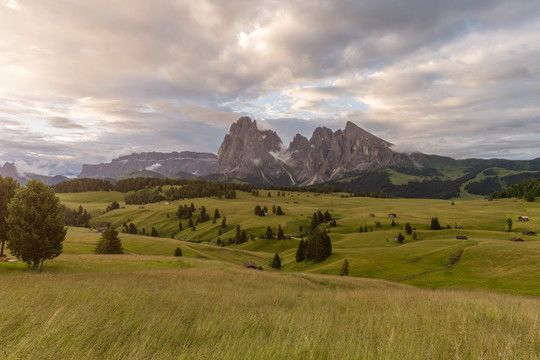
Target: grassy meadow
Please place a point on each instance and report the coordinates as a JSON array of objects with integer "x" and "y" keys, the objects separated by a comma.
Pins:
[{"x": 147, "y": 304}]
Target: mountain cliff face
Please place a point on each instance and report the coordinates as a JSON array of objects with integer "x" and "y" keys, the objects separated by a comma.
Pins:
[
  {"x": 250, "y": 154},
  {"x": 167, "y": 164}
]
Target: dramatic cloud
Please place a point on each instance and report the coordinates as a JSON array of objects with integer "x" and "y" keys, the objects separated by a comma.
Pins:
[{"x": 84, "y": 80}]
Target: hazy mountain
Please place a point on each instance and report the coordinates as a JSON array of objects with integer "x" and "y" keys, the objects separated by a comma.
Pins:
[
  {"x": 10, "y": 169},
  {"x": 166, "y": 164}
]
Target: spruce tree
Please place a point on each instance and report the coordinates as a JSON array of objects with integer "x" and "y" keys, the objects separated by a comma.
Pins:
[
  {"x": 109, "y": 243},
  {"x": 508, "y": 225},
  {"x": 269, "y": 233},
  {"x": 178, "y": 252},
  {"x": 224, "y": 222},
  {"x": 180, "y": 226},
  {"x": 280, "y": 235},
  {"x": 279, "y": 211},
  {"x": 243, "y": 236},
  {"x": 408, "y": 229},
  {"x": 238, "y": 232},
  {"x": 344, "y": 268},
  {"x": 301, "y": 251},
  {"x": 435, "y": 224},
  {"x": 276, "y": 263},
  {"x": 216, "y": 214}
]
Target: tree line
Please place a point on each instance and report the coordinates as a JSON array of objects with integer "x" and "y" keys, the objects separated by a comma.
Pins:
[{"x": 527, "y": 190}]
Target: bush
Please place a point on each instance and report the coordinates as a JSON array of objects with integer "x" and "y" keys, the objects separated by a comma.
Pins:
[{"x": 178, "y": 252}]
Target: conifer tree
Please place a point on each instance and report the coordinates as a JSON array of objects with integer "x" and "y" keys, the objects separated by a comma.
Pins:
[
  {"x": 276, "y": 263},
  {"x": 279, "y": 211},
  {"x": 269, "y": 233},
  {"x": 344, "y": 268},
  {"x": 216, "y": 214},
  {"x": 109, "y": 243},
  {"x": 280, "y": 235},
  {"x": 301, "y": 251},
  {"x": 243, "y": 236},
  {"x": 224, "y": 222},
  {"x": 180, "y": 226},
  {"x": 408, "y": 229},
  {"x": 178, "y": 252},
  {"x": 238, "y": 232},
  {"x": 435, "y": 224}
]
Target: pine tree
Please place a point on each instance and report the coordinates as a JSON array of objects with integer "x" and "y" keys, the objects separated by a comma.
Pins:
[
  {"x": 301, "y": 251},
  {"x": 508, "y": 225},
  {"x": 408, "y": 229},
  {"x": 276, "y": 263},
  {"x": 327, "y": 216},
  {"x": 279, "y": 211},
  {"x": 216, "y": 214},
  {"x": 178, "y": 252},
  {"x": 154, "y": 232},
  {"x": 243, "y": 236},
  {"x": 224, "y": 222},
  {"x": 258, "y": 210},
  {"x": 109, "y": 243},
  {"x": 190, "y": 223},
  {"x": 180, "y": 226},
  {"x": 344, "y": 268},
  {"x": 273, "y": 209},
  {"x": 361, "y": 229},
  {"x": 280, "y": 235},
  {"x": 400, "y": 238},
  {"x": 435, "y": 224},
  {"x": 238, "y": 232},
  {"x": 269, "y": 233}
]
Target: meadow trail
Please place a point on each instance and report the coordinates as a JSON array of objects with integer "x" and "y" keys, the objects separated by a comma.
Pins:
[{"x": 453, "y": 261}]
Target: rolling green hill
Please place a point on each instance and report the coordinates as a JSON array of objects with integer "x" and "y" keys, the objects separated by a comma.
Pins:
[
  {"x": 147, "y": 304},
  {"x": 488, "y": 260}
]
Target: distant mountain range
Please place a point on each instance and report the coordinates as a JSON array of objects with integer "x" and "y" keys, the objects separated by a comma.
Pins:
[
  {"x": 175, "y": 164},
  {"x": 9, "y": 169},
  {"x": 352, "y": 159}
]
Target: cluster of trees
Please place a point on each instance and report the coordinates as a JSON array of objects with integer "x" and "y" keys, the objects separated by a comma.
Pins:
[
  {"x": 317, "y": 247},
  {"x": 241, "y": 235},
  {"x": 365, "y": 228},
  {"x": 82, "y": 185},
  {"x": 130, "y": 229},
  {"x": 144, "y": 196},
  {"x": 179, "y": 188},
  {"x": 263, "y": 211},
  {"x": 318, "y": 190},
  {"x": 260, "y": 211},
  {"x": 320, "y": 218},
  {"x": 528, "y": 190},
  {"x": 31, "y": 221},
  {"x": 114, "y": 205},
  {"x": 79, "y": 217},
  {"x": 435, "y": 224}
]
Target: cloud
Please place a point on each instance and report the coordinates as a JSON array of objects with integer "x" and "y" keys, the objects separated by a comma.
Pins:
[
  {"x": 64, "y": 123},
  {"x": 153, "y": 167},
  {"x": 173, "y": 76}
]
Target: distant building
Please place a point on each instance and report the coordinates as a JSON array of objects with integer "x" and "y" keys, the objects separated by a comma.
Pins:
[
  {"x": 103, "y": 226},
  {"x": 523, "y": 218},
  {"x": 462, "y": 237},
  {"x": 528, "y": 232},
  {"x": 392, "y": 215},
  {"x": 516, "y": 239},
  {"x": 250, "y": 265},
  {"x": 373, "y": 215}
]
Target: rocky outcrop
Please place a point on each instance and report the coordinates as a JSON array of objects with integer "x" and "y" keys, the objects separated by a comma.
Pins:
[
  {"x": 248, "y": 153},
  {"x": 251, "y": 154},
  {"x": 167, "y": 164}
]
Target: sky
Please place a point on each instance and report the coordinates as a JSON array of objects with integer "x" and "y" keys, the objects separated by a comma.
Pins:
[{"x": 85, "y": 81}]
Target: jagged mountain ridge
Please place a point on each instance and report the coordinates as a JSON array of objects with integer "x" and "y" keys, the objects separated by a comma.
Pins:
[
  {"x": 259, "y": 157},
  {"x": 166, "y": 164}
]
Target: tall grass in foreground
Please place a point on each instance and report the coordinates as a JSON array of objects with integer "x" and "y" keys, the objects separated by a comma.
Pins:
[{"x": 217, "y": 311}]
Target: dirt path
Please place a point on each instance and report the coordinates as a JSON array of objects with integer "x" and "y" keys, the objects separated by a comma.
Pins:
[{"x": 454, "y": 260}]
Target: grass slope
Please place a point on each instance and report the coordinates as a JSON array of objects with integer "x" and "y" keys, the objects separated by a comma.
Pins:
[
  {"x": 156, "y": 307},
  {"x": 488, "y": 261}
]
